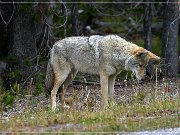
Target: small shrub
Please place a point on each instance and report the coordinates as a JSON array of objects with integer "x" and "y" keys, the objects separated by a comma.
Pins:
[
  {"x": 38, "y": 89},
  {"x": 15, "y": 88},
  {"x": 140, "y": 96},
  {"x": 27, "y": 63},
  {"x": 7, "y": 99},
  {"x": 7, "y": 96},
  {"x": 12, "y": 60},
  {"x": 41, "y": 77},
  {"x": 15, "y": 74}
]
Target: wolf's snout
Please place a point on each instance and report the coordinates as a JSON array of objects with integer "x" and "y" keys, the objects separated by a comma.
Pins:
[{"x": 143, "y": 78}]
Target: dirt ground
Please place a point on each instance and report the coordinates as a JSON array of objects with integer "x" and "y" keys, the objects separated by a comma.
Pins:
[{"x": 80, "y": 95}]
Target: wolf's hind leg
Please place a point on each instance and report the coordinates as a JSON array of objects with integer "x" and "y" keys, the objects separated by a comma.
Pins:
[
  {"x": 63, "y": 87},
  {"x": 61, "y": 72},
  {"x": 54, "y": 92}
]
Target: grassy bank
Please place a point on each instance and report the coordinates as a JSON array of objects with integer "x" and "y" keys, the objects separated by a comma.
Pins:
[{"x": 137, "y": 114}]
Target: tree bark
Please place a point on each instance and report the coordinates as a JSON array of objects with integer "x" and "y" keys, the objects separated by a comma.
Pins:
[
  {"x": 74, "y": 17},
  {"x": 147, "y": 33},
  {"x": 22, "y": 36},
  {"x": 170, "y": 37},
  {"x": 147, "y": 25},
  {"x": 6, "y": 10},
  {"x": 26, "y": 37}
]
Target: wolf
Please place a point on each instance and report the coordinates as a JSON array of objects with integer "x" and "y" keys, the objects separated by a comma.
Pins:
[{"x": 106, "y": 56}]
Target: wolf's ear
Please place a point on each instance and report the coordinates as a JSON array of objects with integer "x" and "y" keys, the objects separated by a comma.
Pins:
[
  {"x": 140, "y": 53},
  {"x": 154, "y": 58}
]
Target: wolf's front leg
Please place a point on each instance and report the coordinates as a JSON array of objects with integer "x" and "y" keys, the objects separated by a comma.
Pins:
[
  {"x": 53, "y": 95},
  {"x": 104, "y": 89},
  {"x": 111, "y": 82}
]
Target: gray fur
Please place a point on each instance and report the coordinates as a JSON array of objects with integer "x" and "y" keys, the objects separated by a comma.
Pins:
[{"x": 103, "y": 55}]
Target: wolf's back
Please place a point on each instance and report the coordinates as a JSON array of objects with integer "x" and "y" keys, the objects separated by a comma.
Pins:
[{"x": 49, "y": 78}]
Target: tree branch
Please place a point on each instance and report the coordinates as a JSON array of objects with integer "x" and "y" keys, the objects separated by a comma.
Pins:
[{"x": 7, "y": 23}]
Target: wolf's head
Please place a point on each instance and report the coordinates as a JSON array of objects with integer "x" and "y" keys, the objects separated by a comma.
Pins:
[{"x": 138, "y": 61}]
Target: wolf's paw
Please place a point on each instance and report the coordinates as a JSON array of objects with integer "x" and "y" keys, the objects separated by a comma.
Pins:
[
  {"x": 66, "y": 106},
  {"x": 53, "y": 107}
]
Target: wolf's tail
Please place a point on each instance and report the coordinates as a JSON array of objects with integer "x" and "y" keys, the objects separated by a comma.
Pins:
[{"x": 49, "y": 78}]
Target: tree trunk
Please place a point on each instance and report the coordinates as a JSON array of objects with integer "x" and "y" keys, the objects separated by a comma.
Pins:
[
  {"x": 147, "y": 25},
  {"x": 28, "y": 38},
  {"x": 5, "y": 20},
  {"x": 170, "y": 37},
  {"x": 29, "y": 35},
  {"x": 147, "y": 33},
  {"x": 74, "y": 17},
  {"x": 22, "y": 36}
]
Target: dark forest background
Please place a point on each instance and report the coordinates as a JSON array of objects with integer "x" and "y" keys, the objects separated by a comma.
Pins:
[{"x": 30, "y": 28}]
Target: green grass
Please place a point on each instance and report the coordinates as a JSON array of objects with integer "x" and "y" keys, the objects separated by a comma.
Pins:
[
  {"x": 137, "y": 116},
  {"x": 144, "y": 107}
]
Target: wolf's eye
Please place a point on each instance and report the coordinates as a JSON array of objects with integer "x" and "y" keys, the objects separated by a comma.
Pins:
[
  {"x": 140, "y": 65},
  {"x": 136, "y": 64}
]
